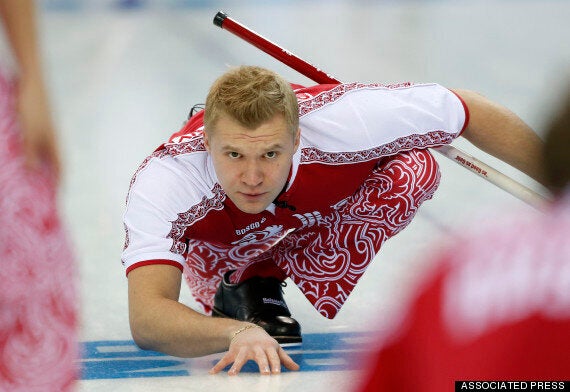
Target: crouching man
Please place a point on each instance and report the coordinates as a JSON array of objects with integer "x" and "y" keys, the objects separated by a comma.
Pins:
[{"x": 273, "y": 181}]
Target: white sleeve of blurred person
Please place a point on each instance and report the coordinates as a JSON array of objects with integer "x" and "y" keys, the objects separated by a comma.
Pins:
[
  {"x": 38, "y": 132},
  {"x": 496, "y": 303}
]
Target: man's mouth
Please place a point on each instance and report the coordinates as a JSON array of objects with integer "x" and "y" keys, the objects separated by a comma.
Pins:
[{"x": 252, "y": 196}]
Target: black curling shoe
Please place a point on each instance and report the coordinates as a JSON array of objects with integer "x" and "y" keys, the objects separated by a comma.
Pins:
[{"x": 259, "y": 301}]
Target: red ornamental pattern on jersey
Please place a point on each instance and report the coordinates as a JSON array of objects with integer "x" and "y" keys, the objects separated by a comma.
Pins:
[
  {"x": 37, "y": 293},
  {"x": 327, "y": 259},
  {"x": 313, "y": 103},
  {"x": 433, "y": 139},
  {"x": 187, "y": 144},
  {"x": 197, "y": 212}
]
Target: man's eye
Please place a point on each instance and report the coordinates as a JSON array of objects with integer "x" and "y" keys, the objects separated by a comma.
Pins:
[
  {"x": 233, "y": 154},
  {"x": 271, "y": 154}
]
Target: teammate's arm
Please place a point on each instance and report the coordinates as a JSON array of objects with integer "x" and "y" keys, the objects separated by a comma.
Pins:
[
  {"x": 159, "y": 322},
  {"x": 39, "y": 136},
  {"x": 500, "y": 132}
]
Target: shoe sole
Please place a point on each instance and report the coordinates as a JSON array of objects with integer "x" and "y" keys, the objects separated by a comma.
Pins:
[{"x": 283, "y": 340}]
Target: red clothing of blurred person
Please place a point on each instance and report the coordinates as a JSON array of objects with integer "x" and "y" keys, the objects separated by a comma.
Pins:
[{"x": 497, "y": 308}]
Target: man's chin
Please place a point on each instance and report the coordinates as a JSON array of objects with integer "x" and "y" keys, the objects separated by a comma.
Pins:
[{"x": 251, "y": 208}]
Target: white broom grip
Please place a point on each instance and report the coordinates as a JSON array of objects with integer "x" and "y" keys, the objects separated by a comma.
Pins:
[{"x": 494, "y": 176}]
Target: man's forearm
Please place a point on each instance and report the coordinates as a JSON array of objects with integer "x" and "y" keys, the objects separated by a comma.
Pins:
[
  {"x": 500, "y": 132},
  {"x": 163, "y": 324},
  {"x": 171, "y": 328}
]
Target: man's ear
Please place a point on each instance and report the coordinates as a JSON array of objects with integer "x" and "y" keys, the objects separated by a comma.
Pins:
[
  {"x": 206, "y": 141},
  {"x": 297, "y": 138}
]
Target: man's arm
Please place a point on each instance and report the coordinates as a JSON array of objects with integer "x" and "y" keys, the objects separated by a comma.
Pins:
[
  {"x": 159, "y": 322},
  {"x": 501, "y": 133}
]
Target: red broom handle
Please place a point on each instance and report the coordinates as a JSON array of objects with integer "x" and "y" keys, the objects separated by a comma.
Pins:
[{"x": 286, "y": 57}]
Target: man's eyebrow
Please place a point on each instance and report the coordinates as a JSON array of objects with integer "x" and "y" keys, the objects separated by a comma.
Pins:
[
  {"x": 275, "y": 146},
  {"x": 271, "y": 147}
]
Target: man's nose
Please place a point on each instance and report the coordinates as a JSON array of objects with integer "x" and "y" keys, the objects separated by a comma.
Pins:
[{"x": 252, "y": 174}]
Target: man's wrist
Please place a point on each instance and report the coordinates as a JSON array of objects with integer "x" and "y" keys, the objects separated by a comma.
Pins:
[{"x": 242, "y": 329}]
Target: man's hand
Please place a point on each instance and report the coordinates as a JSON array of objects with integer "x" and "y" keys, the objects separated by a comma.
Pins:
[{"x": 255, "y": 344}]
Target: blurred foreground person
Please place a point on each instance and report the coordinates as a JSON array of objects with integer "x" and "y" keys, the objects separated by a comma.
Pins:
[
  {"x": 496, "y": 305},
  {"x": 37, "y": 272}
]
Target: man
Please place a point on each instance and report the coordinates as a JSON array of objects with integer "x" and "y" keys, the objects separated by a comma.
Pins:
[
  {"x": 268, "y": 183},
  {"x": 496, "y": 303}
]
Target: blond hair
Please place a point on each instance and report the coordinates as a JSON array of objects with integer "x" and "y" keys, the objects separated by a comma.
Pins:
[{"x": 251, "y": 95}]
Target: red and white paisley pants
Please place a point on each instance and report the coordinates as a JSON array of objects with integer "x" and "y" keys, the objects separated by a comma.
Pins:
[{"x": 38, "y": 298}]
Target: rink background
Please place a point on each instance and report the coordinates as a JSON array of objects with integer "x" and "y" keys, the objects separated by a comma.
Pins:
[{"x": 124, "y": 74}]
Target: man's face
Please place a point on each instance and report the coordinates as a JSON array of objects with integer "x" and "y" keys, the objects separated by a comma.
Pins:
[{"x": 252, "y": 165}]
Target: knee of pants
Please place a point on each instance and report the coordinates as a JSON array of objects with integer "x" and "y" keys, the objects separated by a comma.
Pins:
[
  {"x": 395, "y": 189},
  {"x": 415, "y": 170}
]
